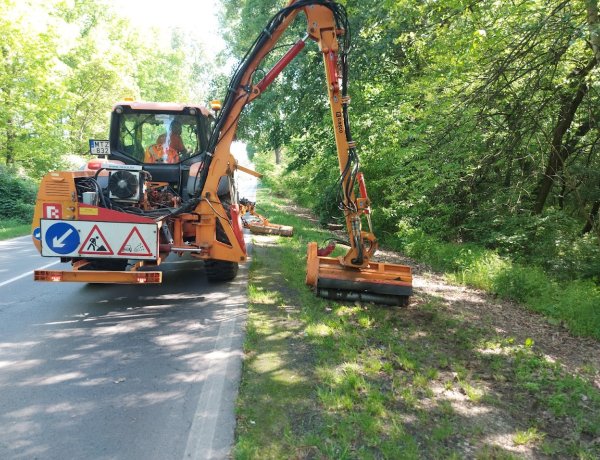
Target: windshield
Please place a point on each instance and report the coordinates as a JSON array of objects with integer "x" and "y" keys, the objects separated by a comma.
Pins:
[{"x": 158, "y": 137}]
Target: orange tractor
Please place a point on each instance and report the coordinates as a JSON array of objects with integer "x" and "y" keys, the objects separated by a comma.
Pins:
[{"x": 167, "y": 184}]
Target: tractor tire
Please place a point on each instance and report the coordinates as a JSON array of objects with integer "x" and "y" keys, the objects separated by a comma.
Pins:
[{"x": 220, "y": 270}]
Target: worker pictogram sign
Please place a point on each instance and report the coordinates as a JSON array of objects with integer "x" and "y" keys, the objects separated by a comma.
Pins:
[
  {"x": 96, "y": 244},
  {"x": 134, "y": 245}
]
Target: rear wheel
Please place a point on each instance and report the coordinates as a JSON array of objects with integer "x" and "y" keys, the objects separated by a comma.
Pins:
[{"x": 220, "y": 270}]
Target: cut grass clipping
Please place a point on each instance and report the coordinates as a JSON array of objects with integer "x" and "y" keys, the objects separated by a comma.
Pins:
[{"x": 332, "y": 380}]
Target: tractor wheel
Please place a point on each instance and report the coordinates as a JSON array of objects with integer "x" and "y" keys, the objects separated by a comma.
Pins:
[{"x": 220, "y": 270}]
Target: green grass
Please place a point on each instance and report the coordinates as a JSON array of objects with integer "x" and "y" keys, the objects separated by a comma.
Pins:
[
  {"x": 333, "y": 380},
  {"x": 12, "y": 228},
  {"x": 531, "y": 435}
]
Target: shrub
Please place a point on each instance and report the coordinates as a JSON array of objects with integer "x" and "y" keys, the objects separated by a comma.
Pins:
[
  {"x": 522, "y": 284},
  {"x": 483, "y": 270},
  {"x": 579, "y": 305},
  {"x": 576, "y": 303},
  {"x": 17, "y": 196}
]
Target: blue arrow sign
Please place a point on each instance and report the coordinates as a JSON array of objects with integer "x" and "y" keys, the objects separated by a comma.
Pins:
[
  {"x": 37, "y": 233},
  {"x": 62, "y": 238}
]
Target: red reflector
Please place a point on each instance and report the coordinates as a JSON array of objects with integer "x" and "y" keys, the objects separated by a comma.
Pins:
[
  {"x": 48, "y": 275},
  {"x": 94, "y": 164},
  {"x": 143, "y": 278}
]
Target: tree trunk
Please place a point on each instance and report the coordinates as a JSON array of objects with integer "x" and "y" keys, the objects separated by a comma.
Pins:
[
  {"x": 558, "y": 151},
  {"x": 594, "y": 25},
  {"x": 10, "y": 143},
  {"x": 592, "y": 218},
  {"x": 278, "y": 155}
]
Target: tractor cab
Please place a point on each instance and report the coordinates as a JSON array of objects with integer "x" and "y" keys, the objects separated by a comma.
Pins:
[{"x": 166, "y": 139}]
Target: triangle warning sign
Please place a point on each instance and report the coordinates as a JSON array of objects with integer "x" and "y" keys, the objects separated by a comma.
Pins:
[
  {"x": 96, "y": 244},
  {"x": 134, "y": 245}
]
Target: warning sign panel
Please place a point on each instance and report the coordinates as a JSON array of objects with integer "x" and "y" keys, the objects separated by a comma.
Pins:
[
  {"x": 96, "y": 239},
  {"x": 134, "y": 245},
  {"x": 95, "y": 244}
]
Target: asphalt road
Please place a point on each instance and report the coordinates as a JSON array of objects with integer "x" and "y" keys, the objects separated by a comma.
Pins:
[{"x": 118, "y": 371}]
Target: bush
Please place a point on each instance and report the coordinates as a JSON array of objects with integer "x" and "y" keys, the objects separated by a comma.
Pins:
[
  {"x": 523, "y": 284},
  {"x": 17, "y": 196},
  {"x": 576, "y": 303},
  {"x": 551, "y": 241},
  {"x": 579, "y": 305},
  {"x": 483, "y": 271}
]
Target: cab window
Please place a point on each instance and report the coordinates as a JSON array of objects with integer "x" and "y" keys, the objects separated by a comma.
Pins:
[{"x": 158, "y": 137}]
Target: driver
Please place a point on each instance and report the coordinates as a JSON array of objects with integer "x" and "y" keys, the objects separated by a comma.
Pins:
[{"x": 168, "y": 146}]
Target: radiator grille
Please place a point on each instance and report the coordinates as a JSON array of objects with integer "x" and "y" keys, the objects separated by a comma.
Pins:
[{"x": 57, "y": 189}]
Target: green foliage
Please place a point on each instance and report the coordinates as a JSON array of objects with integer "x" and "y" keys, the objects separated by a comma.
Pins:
[
  {"x": 264, "y": 164},
  {"x": 60, "y": 77},
  {"x": 551, "y": 241},
  {"x": 521, "y": 284},
  {"x": 18, "y": 195},
  {"x": 460, "y": 110},
  {"x": 577, "y": 304},
  {"x": 28, "y": 91}
]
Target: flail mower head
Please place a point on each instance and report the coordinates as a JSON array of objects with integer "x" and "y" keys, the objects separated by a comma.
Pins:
[
  {"x": 266, "y": 228},
  {"x": 383, "y": 283},
  {"x": 260, "y": 225}
]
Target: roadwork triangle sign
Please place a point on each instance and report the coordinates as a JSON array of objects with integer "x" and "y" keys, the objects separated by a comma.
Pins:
[
  {"x": 96, "y": 244},
  {"x": 134, "y": 245}
]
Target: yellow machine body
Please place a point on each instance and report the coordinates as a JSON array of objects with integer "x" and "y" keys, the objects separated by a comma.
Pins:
[{"x": 96, "y": 237}]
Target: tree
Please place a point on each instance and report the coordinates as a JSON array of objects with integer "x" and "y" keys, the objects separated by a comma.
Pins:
[
  {"x": 28, "y": 90},
  {"x": 56, "y": 90},
  {"x": 474, "y": 119}
]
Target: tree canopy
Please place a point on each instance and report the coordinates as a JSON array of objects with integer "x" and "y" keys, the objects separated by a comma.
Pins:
[{"x": 64, "y": 63}]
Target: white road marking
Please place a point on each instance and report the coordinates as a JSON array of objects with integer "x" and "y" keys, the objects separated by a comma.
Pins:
[
  {"x": 202, "y": 432},
  {"x": 16, "y": 278},
  {"x": 224, "y": 365}
]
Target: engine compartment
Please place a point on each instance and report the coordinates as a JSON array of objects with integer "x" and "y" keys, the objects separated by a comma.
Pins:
[{"x": 129, "y": 189}]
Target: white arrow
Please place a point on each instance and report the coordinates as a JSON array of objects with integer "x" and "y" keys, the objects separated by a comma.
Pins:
[{"x": 59, "y": 242}]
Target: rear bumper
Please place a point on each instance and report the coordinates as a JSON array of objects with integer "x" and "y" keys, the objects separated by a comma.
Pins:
[{"x": 93, "y": 276}]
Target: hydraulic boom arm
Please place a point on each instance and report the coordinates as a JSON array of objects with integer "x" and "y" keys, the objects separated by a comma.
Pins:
[
  {"x": 326, "y": 22},
  {"x": 328, "y": 26}
]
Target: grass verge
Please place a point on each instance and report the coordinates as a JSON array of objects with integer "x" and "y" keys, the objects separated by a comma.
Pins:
[
  {"x": 330, "y": 380},
  {"x": 576, "y": 304},
  {"x": 12, "y": 228}
]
